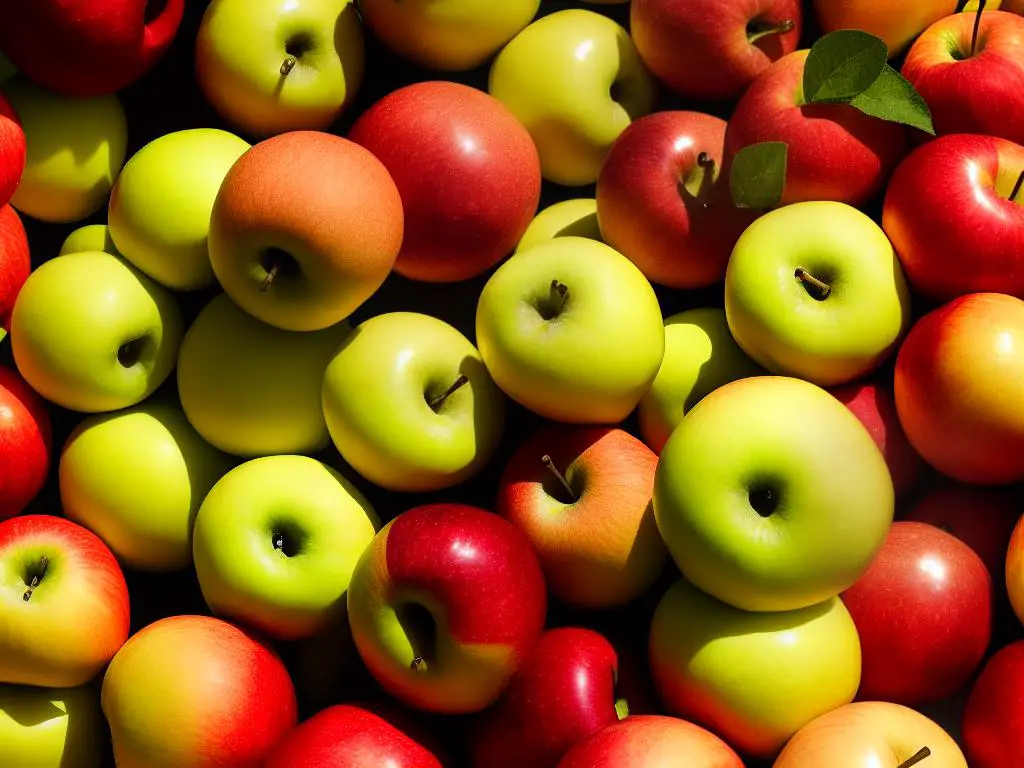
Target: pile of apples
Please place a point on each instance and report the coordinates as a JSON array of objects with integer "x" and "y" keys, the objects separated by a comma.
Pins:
[{"x": 511, "y": 384}]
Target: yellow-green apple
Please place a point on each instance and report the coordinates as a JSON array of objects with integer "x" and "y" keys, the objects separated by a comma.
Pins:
[
  {"x": 977, "y": 250},
  {"x": 451, "y": 35},
  {"x": 571, "y": 330},
  {"x": 700, "y": 356},
  {"x": 897, "y": 22},
  {"x": 91, "y": 237},
  {"x": 12, "y": 151},
  {"x": 15, "y": 264},
  {"x": 64, "y": 611},
  {"x": 93, "y": 47},
  {"x": 959, "y": 376},
  {"x": 293, "y": 247},
  {"x": 228, "y": 695},
  {"x": 754, "y": 679},
  {"x": 251, "y": 389},
  {"x": 146, "y": 522},
  {"x": 273, "y": 66},
  {"x": 410, "y": 405},
  {"x": 872, "y": 734},
  {"x": 74, "y": 151},
  {"x": 575, "y": 80},
  {"x": 51, "y": 727},
  {"x": 25, "y": 443},
  {"x": 160, "y": 206},
  {"x": 923, "y": 610},
  {"x": 582, "y": 496},
  {"x": 992, "y": 732},
  {"x": 649, "y": 741},
  {"x": 835, "y": 152},
  {"x": 663, "y": 203},
  {"x": 771, "y": 495},
  {"x": 446, "y": 605},
  {"x": 470, "y": 189},
  {"x": 91, "y": 333},
  {"x": 1014, "y": 572},
  {"x": 815, "y": 290},
  {"x": 710, "y": 50},
  {"x": 575, "y": 216},
  {"x": 276, "y": 541},
  {"x": 968, "y": 67}
]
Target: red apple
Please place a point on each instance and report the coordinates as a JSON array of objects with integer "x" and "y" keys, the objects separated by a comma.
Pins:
[
  {"x": 923, "y": 611},
  {"x": 87, "y": 47},
  {"x": 1014, "y": 571},
  {"x": 959, "y": 384},
  {"x": 713, "y": 49},
  {"x": 977, "y": 89},
  {"x": 25, "y": 441},
  {"x": 663, "y": 203},
  {"x": 15, "y": 265},
  {"x": 836, "y": 152},
  {"x": 652, "y": 741},
  {"x": 467, "y": 171},
  {"x": 445, "y": 606},
  {"x": 12, "y": 151},
  {"x": 993, "y": 725},
  {"x": 981, "y": 247}
]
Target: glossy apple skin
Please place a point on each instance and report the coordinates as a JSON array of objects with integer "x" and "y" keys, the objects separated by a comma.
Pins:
[
  {"x": 576, "y": 216},
  {"x": 993, "y": 724},
  {"x": 15, "y": 262},
  {"x": 700, "y": 48},
  {"x": 478, "y": 578},
  {"x": 675, "y": 238},
  {"x": 959, "y": 378},
  {"x": 466, "y": 169},
  {"x": 980, "y": 94},
  {"x": 25, "y": 443},
  {"x": 897, "y": 22},
  {"x": 923, "y": 611},
  {"x": 835, "y": 151},
  {"x": 1014, "y": 574},
  {"x": 980, "y": 249},
  {"x": 51, "y": 727},
  {"x": 12, "y": 151}
]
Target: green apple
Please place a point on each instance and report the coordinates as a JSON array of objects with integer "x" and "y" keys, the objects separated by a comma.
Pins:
[
  {"x": 276, "y": 542},
  {"x": 771, "y": 495},
  {"x": 136, "y": 479},
  {"x": 815, "y": 290},
  {"x": 700, "y": 356},
  {"x": 410, "y": 405},
  {"x": 572, "y": 330},
  {"x": 272, "y": 66},
  {"x": 575, "y": 217},
  {"x": 91, "y": 333},
  {"x": 160, "y": 207},
  {"x": 7, "y": 70},
  {"x": 755, "y": 679},
  {"x": 251, "y": 389},
  {"x": 51, "y": 727},
  {"x": 91, "y": 237},
  {"x": 575, "y": 80},
  {"x": 75, "y": 149}
]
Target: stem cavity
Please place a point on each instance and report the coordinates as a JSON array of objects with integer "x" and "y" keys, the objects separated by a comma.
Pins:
[
  {"x": 37, "y": 578},
  {"x": 436, "y": 403},
  {"x": 547, "y": 462},
  {"x": 1017, "y": 187},
  {"x": 818, "y": 289}
]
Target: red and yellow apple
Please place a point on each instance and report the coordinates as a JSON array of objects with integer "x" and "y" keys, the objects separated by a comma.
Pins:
[
  {"x": 25, "y": 443},
  {"x": 1015, "y": 569},
  {"x": 15, "y": 264},
  {"x": 12, "y": 151},
  {"x": 897, "y": 22}
]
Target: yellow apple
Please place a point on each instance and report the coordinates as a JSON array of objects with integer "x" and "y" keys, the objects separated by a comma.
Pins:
[
  {"x": 576, "y": 217},
  {"x": 51, "y": 727}
]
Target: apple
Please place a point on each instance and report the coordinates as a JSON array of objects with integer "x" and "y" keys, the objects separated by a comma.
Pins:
[
  {"x": 582, "y": 496},
  {"x": 91, "y": 237},
  {"x": 575, "y": 80},
  {"x": 700, "y": 356},
  {"x": 968, "y": 68},
  {"x": 712, "y": 50},
  {"x": 958, "y": 377},
  {"x": 445, "y": 606},
  {"x": 815, "y": 290},
  {"x": 51, "y": 728},
  {"x": 755, "y": 679},
  {"x": 273, "y": 66},
  {"x": 410, "y": 405},
  {"x": 897, "y": 22},
  {"x": 65, "y": 612},
  {"x": 12, "y": 150},
  {"x": 93, "y": 47},
  {"x": 228, "y": 695},
  {"x": 25, "y": 442},
  {"x": 576, "y": 216},
  {"x": 15, "y": 264},
  {"x": 871, "y": 733},
  {"x": 662, "y": 202},
  {"x": 1014, "y": 574},
  {"x": 571, "y": 330},
  {"x": 75, "y": 148},
  {"x": 977, "y": 250},
  {"x": 992, "y": 733},
  {"x": 835, "y": 153},
  {"x": 251, "y": 389},
  {"x": 459, "y": 35},
  {"x": 470, "y": 188},
  {"x": 160, "y": 207},
  {"x": 146, "y": 522},
  {"x": 292, "y": 246}
]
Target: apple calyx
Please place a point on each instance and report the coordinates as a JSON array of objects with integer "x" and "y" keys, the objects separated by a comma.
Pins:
[
  {"x": 819, "y": 290},
  {"x": 758, "y": 28},
  {"x": 436, "y": 403},
  {"x": 37, "y": 578},
  {"x": 129, "y": 353},
  {"x": 547, "y": 462},
  {"x": 1013, "y": 198},
  {"x": 923, "y": 753},
  {"x": 698, "y": 183}
]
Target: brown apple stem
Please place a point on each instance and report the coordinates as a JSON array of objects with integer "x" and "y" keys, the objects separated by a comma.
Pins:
[
  {"x": 269, "y": 279},
  {"x": 419, "y": 664},
  {"x": 436, "y": 403},
  {"x": 818, "y": 289},
  {"x": 977, "y": 25},
  {"x": 288, "y": 65},
  {"x": 546, "y": 460},
  {"x": 44, "y": 563},
  {"x": 921, "y": 755},
  {"x": 707, "y": 165},
  {"x": 782, "y": 28},
  {"x": 1013, "y": 197},
  {"x": 559, "y": 292}
]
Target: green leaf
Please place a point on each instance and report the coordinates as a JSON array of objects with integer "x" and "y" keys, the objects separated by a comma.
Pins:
[
  {"x": 894, "y": 99},
  {"x": 842, "y": 65},
  {"x": 758, "y": 176}
]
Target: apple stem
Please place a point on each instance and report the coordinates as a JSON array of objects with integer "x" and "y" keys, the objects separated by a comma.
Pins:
[
  {"x": 818, "y": 289},
  {"x": 977, "y": 25},
  {"x": 288, "y": 65},
  {"x": 546, "y": 460},
  {"x": 559, "y": 292},
  {"x": 438, "y": 401},
  {"x": 782, "y": 28},
  {"x": 1013, "y": 197},
  {"x": 921, "y": 755},
  {"x": 419, "y": 664},
  {"x": 707, "y": 164},
  {"x": 269, "y": 279},
  {"x": 44, "y": 563},
  {"x": 622, "y": 708}
]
